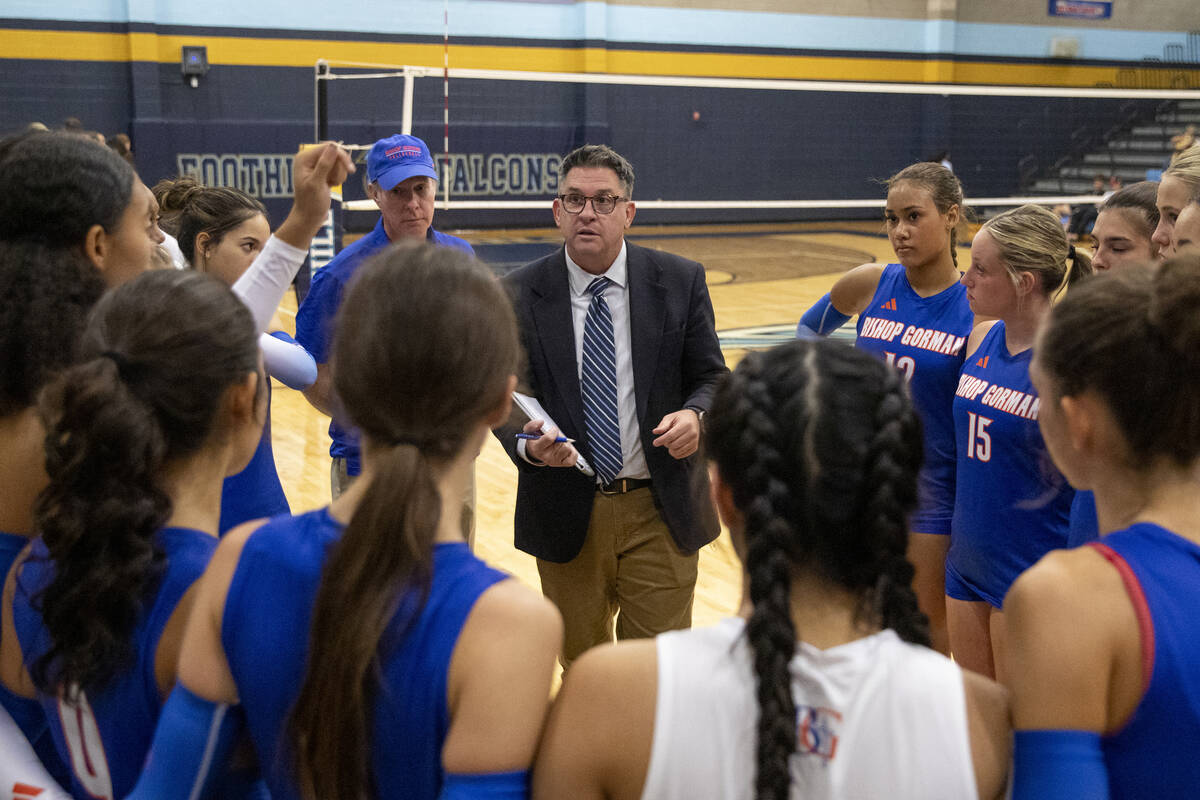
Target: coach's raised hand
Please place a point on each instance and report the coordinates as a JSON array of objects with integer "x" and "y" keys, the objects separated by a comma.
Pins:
[{"x": 315, "y": 171}]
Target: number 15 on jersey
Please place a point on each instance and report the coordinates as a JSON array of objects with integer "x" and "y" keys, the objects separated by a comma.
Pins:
[{"x": 979, "y": 441}]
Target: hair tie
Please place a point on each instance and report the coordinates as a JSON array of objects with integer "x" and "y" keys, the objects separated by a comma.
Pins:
[
  {"x": 121, "y": 361},
  {"x": 1071, "y": 252},
  {"x": 125, "y": 367}
]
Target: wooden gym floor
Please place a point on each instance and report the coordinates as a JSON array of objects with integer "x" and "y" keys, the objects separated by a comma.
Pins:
[{"x": 761, "y": 279}]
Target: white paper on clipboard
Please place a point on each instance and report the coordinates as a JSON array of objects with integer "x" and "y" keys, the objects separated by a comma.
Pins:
[{"x": 533, "y": 409}]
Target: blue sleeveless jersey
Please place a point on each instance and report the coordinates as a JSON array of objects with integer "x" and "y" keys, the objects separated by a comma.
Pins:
[
  {"x": 1012, "y": 505},
  {"x": 1085, "y": 527},
  {"x": 105, "y": 737},
  {"x": 1155, "y": 753},
  {"x": 25, "y": 712},
  {"x": 924, "y": 337},
  {"x": 265, "y": 635},
  {"x": 255, "y": 492}
]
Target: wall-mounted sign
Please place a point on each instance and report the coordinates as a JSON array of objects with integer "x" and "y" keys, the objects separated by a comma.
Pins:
[{"x": 1081, "y": 9}]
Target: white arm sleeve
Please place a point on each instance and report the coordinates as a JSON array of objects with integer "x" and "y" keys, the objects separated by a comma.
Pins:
[
  {"x": 262, "y": 286},
  {"x": 19, "y": 764},
  {"x": 288, "y": 362}
]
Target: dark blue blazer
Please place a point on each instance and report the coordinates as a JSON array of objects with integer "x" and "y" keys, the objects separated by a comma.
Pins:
[{"x": 677, "y": 362}]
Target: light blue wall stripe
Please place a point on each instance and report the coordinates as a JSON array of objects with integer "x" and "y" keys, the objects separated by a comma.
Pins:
[
  {"x": 73, "y": 10},
  {"x": 558, "y": 20},
  {"x": 1033, "y": 41},
  {"x": 738, "y": 28}
]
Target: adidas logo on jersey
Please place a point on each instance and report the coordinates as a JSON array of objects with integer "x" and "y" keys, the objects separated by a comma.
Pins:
[
  {"x": 982, "y": 362},
  {"x": 890, "y": 305}
]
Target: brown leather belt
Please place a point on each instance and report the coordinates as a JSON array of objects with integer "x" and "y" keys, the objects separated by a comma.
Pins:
[{"x": 623, "y": 485}]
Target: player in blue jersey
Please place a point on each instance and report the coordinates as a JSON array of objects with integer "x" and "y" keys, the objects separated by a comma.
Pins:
[
  {"x": 1012, "y": 506},
  {"x": 221, "y": 231},
  {"x": 914, "y": 314},
  {"x": 45, "y": 295},
  {"x": 140, "y": 434},
  {"x": 1103, "y": 657},
  {"x": 372, "y": 654},
  {"x": 1180, "y": 183},
  {"x": 72, "y": 218},
  {"x": 76, "y": 213},
  {"x": 1122, "y": 240}
]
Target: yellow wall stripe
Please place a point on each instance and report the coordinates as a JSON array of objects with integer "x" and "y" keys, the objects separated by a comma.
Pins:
[{"x": 256, "y": 52}]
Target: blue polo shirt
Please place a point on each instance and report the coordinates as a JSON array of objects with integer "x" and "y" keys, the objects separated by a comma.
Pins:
[{"x": 314, "y": 320}]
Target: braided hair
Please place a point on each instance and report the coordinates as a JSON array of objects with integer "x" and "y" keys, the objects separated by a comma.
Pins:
[{"x": 820, "y": 446}]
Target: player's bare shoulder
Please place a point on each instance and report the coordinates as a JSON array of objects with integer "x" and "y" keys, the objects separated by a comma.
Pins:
[{"x": 854, "y": 290}]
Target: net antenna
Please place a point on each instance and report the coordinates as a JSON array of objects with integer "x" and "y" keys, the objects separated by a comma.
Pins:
[{"x": 445, "y": 96}]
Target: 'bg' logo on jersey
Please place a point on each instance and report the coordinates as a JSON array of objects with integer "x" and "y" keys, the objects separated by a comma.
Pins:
[{"x": 817, "y": 731}]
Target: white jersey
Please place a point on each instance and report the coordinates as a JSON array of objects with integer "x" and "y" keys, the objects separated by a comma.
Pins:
[{"x": 876, "y": 718}]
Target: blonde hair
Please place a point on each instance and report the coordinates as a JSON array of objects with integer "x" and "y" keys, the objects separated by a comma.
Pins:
[
  {"x": 1031, "y": 239},
  {"x": 1185, "y": 165}
]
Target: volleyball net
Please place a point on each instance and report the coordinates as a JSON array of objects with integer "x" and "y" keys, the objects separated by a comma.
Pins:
[{"x": 743, "y": 150}]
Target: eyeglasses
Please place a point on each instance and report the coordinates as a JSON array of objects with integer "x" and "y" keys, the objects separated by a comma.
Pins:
[{"x": 602, "y": 203}]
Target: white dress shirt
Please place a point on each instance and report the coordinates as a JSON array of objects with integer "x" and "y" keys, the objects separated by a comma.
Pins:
[{"x": 617, "y": 297}]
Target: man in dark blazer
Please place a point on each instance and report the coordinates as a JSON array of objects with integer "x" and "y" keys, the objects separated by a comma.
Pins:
[{"x": 628, "y": 537}]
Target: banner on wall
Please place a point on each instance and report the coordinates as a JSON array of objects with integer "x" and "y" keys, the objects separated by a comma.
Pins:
[
  {"x": 269, "y": 175},
  {"x": 1081, "y": 9}
]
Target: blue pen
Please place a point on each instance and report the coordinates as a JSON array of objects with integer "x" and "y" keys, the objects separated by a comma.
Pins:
[{"x": 557, "y": 440}]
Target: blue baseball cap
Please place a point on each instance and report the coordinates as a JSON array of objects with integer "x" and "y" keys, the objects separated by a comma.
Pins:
[{"x": 398, "y": 158}]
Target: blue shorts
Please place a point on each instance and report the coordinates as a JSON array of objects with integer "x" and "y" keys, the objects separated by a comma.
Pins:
[
  {"x": 959, "y": 588},
  {"x": 931, "y": 520},
  {"x": 935, "y": 504}
]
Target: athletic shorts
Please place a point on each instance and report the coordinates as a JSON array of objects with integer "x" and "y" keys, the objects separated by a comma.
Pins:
[
  {"x": 935, "y": 503},
  {"x": 959, "y": 588}
]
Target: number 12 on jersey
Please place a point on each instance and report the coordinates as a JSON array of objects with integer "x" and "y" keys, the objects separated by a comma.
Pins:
[
  {"x": 979, "y": 441},
  {"x": 904, "y": 363}
]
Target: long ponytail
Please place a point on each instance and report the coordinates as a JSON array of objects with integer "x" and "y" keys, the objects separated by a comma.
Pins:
[
  {"x": 426, "y": 342},
  {"x": 355, "y": 605}
]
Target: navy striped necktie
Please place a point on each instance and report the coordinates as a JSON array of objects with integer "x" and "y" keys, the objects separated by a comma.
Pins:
[{"x": 599, "y": 385}]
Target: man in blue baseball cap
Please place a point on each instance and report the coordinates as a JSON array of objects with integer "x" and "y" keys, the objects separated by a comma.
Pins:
[{"x": 403, "y": 181}]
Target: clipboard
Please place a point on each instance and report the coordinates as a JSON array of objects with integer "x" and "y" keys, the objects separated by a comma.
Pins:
[{"x": 533, "y": 409}]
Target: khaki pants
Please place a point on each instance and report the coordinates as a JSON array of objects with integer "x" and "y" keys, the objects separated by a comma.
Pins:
[
  {"x": 340, "y": 480},
  {"x": 629, "y": 564}
]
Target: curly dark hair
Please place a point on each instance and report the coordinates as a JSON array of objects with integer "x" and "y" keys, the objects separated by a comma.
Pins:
[
  {"x": 45, "y": 296},
  {"x": 145, "y": 393},
  {"x": 55, "y": 186},
  {"x": 821, "y": 446}
]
